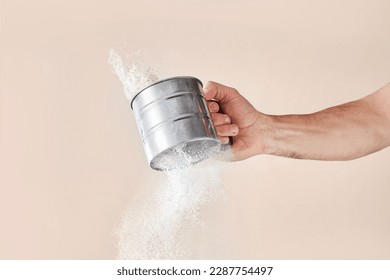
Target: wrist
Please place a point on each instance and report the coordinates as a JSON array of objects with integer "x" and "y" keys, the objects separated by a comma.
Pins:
[{"x": 264, "y": 131}]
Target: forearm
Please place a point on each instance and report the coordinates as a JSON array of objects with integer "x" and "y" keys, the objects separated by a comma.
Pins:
[{"x": 342, "y": 132}]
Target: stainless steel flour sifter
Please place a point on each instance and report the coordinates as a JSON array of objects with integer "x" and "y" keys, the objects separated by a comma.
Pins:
[{"x": 174, "y": 123}]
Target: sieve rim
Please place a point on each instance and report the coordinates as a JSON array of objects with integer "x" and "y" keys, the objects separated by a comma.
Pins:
[
  {"x": 216, "y": 141},
  {"x": 161, "y": 81}
]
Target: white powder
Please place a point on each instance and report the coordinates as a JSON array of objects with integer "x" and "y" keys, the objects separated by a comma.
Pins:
[
  {"x": 134, "y": 77},
  {"x": 185, "y": 154},
  {"x": 154, "y": 226}
]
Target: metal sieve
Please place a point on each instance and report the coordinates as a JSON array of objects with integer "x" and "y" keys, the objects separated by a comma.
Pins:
[{"x": 174, "y": 123}]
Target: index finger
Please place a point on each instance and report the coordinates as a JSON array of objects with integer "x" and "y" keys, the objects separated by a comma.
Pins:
[{"x": 221, "y": 93}]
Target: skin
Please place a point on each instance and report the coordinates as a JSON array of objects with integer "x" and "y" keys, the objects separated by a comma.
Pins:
[{"x": 343, "y": 132}]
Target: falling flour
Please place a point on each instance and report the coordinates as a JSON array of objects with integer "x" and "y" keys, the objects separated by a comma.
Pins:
[{"x": 156, "y": 224}]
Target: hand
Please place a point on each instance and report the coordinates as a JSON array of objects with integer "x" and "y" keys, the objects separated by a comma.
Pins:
[
  {"x": 239, "y": 119},
  {"x": 342, "y": 132}
]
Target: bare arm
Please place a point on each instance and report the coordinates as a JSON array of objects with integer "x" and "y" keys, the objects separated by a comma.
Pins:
[{"x": 343, "y": 132}]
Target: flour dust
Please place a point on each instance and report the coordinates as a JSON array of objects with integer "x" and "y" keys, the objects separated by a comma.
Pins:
[
  {"x": 134, "y": 77},
  {"x": 158, "y": 224}
]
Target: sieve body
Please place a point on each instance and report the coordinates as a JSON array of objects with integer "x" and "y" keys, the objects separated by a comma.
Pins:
[{"x": 174, "y": 123}]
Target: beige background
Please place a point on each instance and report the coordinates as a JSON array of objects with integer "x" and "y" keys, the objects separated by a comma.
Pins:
[{"x": 71, "y": 159}]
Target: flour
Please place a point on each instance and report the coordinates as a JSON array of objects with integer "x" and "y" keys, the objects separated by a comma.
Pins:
[
  {"x": 134, "y": 77},
  {"x": 155, "y": 225},
  {"x": 185, "y": 154}
]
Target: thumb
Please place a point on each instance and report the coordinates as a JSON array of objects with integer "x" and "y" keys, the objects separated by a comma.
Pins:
[{"x": 221, "y": 93}]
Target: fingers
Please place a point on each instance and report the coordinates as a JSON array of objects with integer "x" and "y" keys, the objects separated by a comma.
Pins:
[
  {"x": 224, "y": 127},
  {"x": 221, "y": 93},
  {"x": 227, "y": 130},
  {"x": 224, "y": 139},
  {"x": 213, "y": 106},
  {"x": 220, "y": 119}
]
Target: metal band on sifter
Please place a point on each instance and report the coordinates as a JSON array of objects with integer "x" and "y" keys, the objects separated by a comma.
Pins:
[{"x": 174, "y": 123}]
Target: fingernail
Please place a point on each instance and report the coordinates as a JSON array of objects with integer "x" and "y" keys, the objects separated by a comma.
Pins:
[
  {"x": 235, "y": 130},
  {"x": 227, "y": 120}
]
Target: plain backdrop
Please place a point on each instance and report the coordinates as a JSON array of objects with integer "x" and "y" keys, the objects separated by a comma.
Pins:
[{"x": 71, "y": 159}]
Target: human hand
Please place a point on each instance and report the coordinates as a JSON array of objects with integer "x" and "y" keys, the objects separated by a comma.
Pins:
[
  {"x": 323, "y": 135},
  {"x": 238, "y": 119}
]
